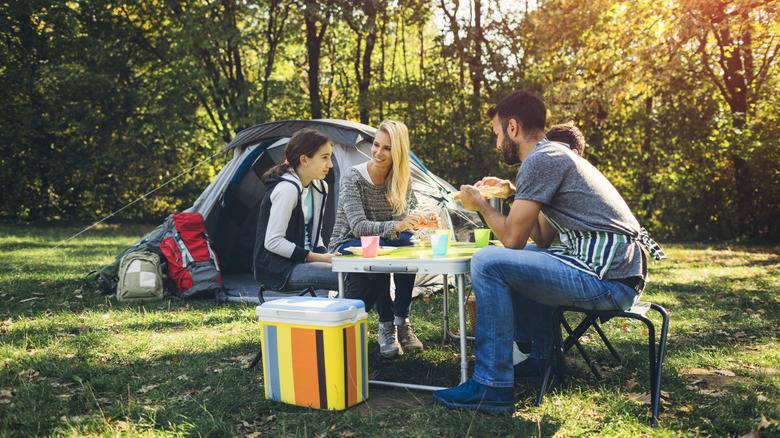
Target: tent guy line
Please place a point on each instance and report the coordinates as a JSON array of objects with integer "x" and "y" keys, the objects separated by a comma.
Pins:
[{"x": 118, "y": 211}]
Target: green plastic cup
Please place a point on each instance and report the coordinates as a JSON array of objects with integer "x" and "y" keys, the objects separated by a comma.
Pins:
[{"x": 482, "y": 237}]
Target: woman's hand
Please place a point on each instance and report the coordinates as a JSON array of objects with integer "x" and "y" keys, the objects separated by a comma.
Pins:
[
  {"x": 429, "y": 220},
  {"x": 410, "y": 221},
  {"x": 322, "y": 258}
]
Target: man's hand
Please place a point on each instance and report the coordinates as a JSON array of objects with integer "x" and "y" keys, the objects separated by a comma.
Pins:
[
  {"x": 506, "y": 186},
  {"x": 470, "y": 197}
]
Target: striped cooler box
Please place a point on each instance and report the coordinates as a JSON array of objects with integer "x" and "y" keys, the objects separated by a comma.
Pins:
[{"x": 314, "y": 351}]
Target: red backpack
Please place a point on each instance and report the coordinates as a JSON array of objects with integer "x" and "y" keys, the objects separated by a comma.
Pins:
[{"x": 192, "y": 265}]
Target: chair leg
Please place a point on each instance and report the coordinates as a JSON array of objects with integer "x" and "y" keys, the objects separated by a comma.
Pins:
[
  {"x": 308, "y": 290},
  {"x": 574, "y": 339},
  {"x": 655, "y": 390},
  {"x": 656, "y": 377},
  {"x": 556, "y": 352},
  {"x": 256, "y": 359},
  {"x": 656, "y": 362},
  {"x": 611, "y": 349}
]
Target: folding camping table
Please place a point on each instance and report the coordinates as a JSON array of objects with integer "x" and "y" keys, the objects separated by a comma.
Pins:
[{"x": 419, "y": 260}]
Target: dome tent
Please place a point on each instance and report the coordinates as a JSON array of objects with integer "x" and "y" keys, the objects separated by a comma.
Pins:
[{"x": 231, "y": 202}]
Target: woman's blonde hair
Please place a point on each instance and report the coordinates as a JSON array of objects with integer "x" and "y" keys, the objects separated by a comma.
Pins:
[{"x": 399, "y": 150}]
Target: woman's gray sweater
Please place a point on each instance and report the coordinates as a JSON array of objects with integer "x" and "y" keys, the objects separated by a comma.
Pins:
[{"x": 364, "y": 210}]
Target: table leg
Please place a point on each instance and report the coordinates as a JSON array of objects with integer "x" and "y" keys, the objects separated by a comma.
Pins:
[
  {"x": 341, "y": 285},
  {"x": 448, "y": 335},
  {"x": 464, "y": 364},
  {"x": 446, "y": 301}
]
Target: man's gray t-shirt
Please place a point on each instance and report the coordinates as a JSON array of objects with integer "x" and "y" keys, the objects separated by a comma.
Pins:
[{"x": 576, "y": 196}]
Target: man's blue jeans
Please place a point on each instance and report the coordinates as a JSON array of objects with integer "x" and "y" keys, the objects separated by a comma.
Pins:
[{"x": 517, "y": 292}]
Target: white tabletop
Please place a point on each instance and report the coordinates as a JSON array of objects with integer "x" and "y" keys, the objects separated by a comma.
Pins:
[{"x": 411, "y": 260}]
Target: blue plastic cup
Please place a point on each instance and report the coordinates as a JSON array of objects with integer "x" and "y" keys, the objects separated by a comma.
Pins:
[{"x": 439, "y": 244}]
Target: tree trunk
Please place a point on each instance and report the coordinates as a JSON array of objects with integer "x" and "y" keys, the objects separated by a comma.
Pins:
[
  {"x": 273, "y": 34},
  {"x": 314, "y": 37},
  {"x": 366, "y": 31}
]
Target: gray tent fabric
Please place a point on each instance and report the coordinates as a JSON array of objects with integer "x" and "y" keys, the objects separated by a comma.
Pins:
[
  {"x": 230, "y": 203},
  {"x": 342, "y": 132}
]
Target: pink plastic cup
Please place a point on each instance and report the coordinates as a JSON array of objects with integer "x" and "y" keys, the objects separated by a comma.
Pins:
[{"x": 370, "y": 245}]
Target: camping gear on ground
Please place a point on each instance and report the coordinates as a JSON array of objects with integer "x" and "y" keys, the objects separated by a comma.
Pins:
[
  {"x": 140, "y": 277},
  {"x": 314, "y": 351},
  {"x": 230, "y": 204},
  {"x": 192, "y": 264},
  {"x": 109, "y": 274}
]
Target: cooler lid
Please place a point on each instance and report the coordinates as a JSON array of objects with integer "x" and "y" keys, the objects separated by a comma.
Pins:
[{"x": 311, "y": 310}]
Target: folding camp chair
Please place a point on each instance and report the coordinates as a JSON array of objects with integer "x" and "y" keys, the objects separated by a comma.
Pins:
[
  {"x": 592, "y": 318},
  {"x": 309, "y": 290}
]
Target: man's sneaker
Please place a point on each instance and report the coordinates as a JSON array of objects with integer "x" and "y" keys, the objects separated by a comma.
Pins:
[
  {"x": 475, "y": 396},
  {"x": 407, "y": 338},
  {"x": 532, "y": 369},
  {"x": 388, "y": 340}
]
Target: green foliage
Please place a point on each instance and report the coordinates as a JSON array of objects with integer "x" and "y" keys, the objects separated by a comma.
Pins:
[{"x": 103, "y": 102}]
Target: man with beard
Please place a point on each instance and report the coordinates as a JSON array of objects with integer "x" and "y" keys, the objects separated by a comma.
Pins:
[{"x": 601, "y": 267}]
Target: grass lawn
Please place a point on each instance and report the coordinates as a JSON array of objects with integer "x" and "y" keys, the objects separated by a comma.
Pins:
[{"x": 75, "y": 363}]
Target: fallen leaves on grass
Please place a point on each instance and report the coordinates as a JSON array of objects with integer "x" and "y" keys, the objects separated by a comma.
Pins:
[
  {"x": 644, "y": 398},
  {"x": 245, "y": 359},
  {"x": 764, "y": 423},
  {"x": 254, "y": 424},
  {"x": 147, "y": 388},
  {"x": 630, "y": 384},
  {"x": 640, "y": 398},
  {"x": 528, "y": 416},
  {"x": 74, "y": 418},
  {"x": 123, "y": 426},
  {"x": 30, "y": 375},
  {"x": 5, "y": 397}
]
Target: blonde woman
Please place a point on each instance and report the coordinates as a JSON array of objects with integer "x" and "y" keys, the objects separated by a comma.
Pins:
[{"x": 374, "y": 200}]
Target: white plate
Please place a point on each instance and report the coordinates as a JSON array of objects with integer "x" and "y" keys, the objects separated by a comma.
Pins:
[{"x": 357, "y": 250}]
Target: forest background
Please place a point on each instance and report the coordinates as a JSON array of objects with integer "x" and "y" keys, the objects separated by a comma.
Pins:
[{"x": 102, "y": 101}]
